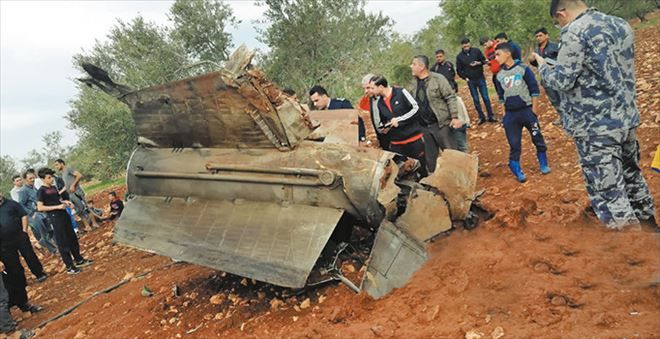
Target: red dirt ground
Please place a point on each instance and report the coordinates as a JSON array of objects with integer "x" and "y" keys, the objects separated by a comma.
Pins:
[{"x": 540, "y": 268}]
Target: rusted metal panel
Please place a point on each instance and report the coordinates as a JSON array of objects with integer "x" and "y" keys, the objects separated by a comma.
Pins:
[
  {"x": 268, "y": 242},
  {"x": 426, "y": 215},
  {"x": 456, "y": 178},
  {"x": 395, "y": 257},
  {"x": 339, "y": 126}
]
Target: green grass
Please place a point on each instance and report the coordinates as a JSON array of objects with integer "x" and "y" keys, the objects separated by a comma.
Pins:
[
  {"x": 95, "y": 187},
  {"x": 648, "y": 23}
]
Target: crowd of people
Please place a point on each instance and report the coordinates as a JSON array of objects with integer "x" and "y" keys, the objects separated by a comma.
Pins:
[
  {"x": 44, "y": 212},
  {"x": 589, "y": 80}
]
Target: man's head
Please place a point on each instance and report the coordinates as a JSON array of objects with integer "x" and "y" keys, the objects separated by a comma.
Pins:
[
  {"x": 290, "y": 93},
  {"x": 112, "y": 195},
  {"x": 47, "y": 175},
  {"x": 440, "y": 56},
  {"x": 59, "y": 165},
  {"x": 29, "y": 178},
  {"x": 541, "y": 35},
  {"x": 564, "y": 12},
  {"x": 378, "y": 85},
  {"x": 501, "y": 37},
  {"x": 465, "y": 44},
  {"x": 420, "y": 66},
  {"x": 503, "y": 53},
  {"x": 17, "y": 180},
  {"x": 319, "y": 97},
  {"x": 365, "y": 85},
  {"x": 486, "y": 42}
]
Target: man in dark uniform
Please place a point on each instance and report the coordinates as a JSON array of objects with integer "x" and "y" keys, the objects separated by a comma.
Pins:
[
  {"x": 13, "y": 224},
  {"x": 319, "y": 97},
  {"x": 446, "y": 68}
]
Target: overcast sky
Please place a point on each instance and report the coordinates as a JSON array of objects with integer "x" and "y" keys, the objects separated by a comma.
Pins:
[{"x": 39, "y": 38}]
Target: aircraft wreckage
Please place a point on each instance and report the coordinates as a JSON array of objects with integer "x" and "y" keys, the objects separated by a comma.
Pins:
[{"x": 232, "y": 174}]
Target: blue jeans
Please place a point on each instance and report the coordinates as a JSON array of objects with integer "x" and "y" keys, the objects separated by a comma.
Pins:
[
  {"x": 476, "y": 87},
  {"x": 460, "y": 135},
  {"x": 41, "y": 231}
]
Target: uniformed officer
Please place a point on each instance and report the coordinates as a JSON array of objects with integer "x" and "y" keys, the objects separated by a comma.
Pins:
[{"x": 595, "y": 77}]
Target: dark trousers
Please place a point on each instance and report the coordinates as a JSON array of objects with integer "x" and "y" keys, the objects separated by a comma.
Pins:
[
  {"x": 436, "y": 138},
  {"x": 14, "y": 279},
  {"x": 514, "y": 121},
  {"x": 20, "y": 243},
  {"x": 6, "y": 321},
  {"x": 476, "y": 87},
  {"x": 414, "y": 150},
  {"x": 65, "y": 237}
]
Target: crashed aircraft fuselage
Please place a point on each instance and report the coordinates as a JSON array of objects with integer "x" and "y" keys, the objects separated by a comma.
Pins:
[{"x": 226, "y": 177}]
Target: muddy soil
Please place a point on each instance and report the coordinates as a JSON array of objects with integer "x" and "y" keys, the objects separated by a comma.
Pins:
[{"x": 542, "y": 267}]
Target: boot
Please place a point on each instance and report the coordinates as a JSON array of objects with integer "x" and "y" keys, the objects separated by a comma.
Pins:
[
  {"x": 543, "y": 162},
  {"x": 517, "y": 171}
]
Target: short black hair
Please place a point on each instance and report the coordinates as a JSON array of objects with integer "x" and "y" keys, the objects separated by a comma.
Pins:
[
  {"x": 553, "y": 7},
  {"x": 318, "y": 90},
  {"x": 483, "y": 40},
  {"x": 502, "y": 35},
  {"x": 14, "y": 177},
  {"x": 379, "y": 80},
  {"x": 541, "y": 30},
  {"x": 424, "y": 59},
  {"x": 113, "y": 193},
  {"x": 60, "y": 161},
  {"x": 505, "y": 46},
  {"x": 289, "y": 91},
  {"x": 44, "y": 171},
  {"x": 465, "y": 41},
  {"x": 28, "y": 171},
  {"x": 439, "y": 51}
]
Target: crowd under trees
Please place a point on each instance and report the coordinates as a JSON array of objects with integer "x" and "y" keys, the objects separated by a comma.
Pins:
[{"x": 332, "y": 43}]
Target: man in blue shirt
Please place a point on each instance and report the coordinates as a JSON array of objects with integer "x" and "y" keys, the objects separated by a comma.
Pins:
[{"x": 319, "y": 97}]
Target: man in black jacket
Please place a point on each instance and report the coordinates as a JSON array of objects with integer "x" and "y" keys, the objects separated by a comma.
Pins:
[
  {"x": 446, "y": 68},
  {"x": 470, "y": 66},
  {"x": 548, "y": 50},
  {"x": 319, "y": 97},
  {"x": 399, "y": 120}
]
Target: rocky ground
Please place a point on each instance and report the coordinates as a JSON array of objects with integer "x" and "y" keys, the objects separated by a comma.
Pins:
[{"x": 542, "y": 267}]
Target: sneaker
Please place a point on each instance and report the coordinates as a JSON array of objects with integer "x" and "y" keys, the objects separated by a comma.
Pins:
[
  {"x": 84, "y": 262},
  {"x": 27, "y": 307},
  {"x": 42, "y": 278},
  {"x": 73, "y": 270},
  {"x": 492, "y": 120},
  {"x": 481, "y": 121}
]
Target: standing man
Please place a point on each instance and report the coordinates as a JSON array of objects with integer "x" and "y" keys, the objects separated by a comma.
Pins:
[
  {"x": 470, "y": 67},
  {"x": 71, "y": 179},
  {"x": 397, "y": 111},
  {"x": 18, "y": 183},
  {"x": 446, "y": 68},
  {"x": 369, "y": 103},
  {"x": 319, "y": 97},
  {"x": 7, "y": 323},
  {"x": 27, "y": 198},
  {"x": 438, "y": 112},
  {"x": 489, "y": 50},
  {"x": 13, "y": 224},
  {"x": 548, "y": 50},
  {"x": 595, "y": 77},
  {"x": 502, "y": 38}
]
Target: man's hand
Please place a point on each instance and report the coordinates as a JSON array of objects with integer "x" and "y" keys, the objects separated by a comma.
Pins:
[
  {"x": 2, "y": 266},
  {"x": 72, "y": 188},
  {"x": 456, "y": 123},
  {"x": 394, "y": 122},
  {"x": 539, "y": 59}
]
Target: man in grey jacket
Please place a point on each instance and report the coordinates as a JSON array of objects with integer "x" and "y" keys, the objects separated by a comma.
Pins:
[{"x": 438, "y": 112}]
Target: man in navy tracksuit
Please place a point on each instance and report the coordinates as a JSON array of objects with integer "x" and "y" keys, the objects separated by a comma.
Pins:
[
  {"x": 319, "y": 97},
  {"x": 399, "y": 120},
  {"x": 517, "y": 89}
]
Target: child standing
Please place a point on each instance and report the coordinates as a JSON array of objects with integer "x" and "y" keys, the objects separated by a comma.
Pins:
[{"x": 518, "y": 90}]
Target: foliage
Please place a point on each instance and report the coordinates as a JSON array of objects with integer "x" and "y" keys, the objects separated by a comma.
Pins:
[
  {"x": 7, "y": 170},
  {"x": 626, "y": 9},
  {"x": 51, "y": 150},
  {"x": 200, "y": 26},
  {"x": 330, "y": 43},
  {"x": 139, "y": 54}
]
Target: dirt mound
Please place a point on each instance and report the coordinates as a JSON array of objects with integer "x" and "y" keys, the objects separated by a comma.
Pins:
[{"x": 541, "y": 267}]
